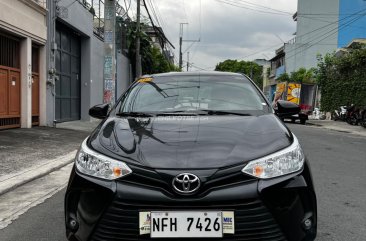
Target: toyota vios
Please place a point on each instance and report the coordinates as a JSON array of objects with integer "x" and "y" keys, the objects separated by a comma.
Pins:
[{"x": 191, "y": 156}]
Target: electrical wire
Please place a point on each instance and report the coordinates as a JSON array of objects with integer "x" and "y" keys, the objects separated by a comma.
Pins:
[
  {"x": 154, "y": 13},
  {"x": 157, "y": 30},
  {"x": 235, "y": 4},
  {"x": 157, "y": 14},
  {"x": 313, "y": 31},
  {"x": 265, "y": 7},
  {"x": 127, "y": 8},
  {"x": 324, "y": 36}
]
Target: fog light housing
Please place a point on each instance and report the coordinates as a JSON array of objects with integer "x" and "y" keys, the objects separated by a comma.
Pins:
[
  {"x": 308, "y": 224},
  {"x": 74, "y": 225}
]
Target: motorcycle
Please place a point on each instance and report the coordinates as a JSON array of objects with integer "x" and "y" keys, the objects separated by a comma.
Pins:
[
  {"x": 340, "y": 113},
  {"x": 363, "y": 118},
  {"x": 352, "y": 115}
]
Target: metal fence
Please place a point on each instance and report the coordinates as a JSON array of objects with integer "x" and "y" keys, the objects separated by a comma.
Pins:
[{"x": 96, "y": 7}]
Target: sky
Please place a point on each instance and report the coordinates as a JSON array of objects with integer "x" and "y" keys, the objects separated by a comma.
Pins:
[{"x": 245, "y": 31}]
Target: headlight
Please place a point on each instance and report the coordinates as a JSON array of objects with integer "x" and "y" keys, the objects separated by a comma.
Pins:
[
  {"x": 286, "y": 161},
  {"x": 97, "y": 165}
]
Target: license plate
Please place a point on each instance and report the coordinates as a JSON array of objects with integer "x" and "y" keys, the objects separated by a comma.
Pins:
[{"x": 179, "y": 224}]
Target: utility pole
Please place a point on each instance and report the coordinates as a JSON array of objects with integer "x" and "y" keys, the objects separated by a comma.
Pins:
[
  {"x": 109, "y": 91},
  {"x": 181, "y": 40},
  {"x": 180, "y": 45},
  {"x": 187, "y": 61},
  {"x": 138, "y": 30}
]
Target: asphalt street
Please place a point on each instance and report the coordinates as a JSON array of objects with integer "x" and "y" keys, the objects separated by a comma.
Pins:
[{"x": 338, "y": 162}]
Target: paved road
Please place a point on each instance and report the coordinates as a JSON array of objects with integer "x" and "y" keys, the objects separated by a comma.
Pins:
[{"x": 338, "y": 163}]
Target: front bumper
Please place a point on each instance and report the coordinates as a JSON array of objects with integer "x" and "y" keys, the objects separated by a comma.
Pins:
[{"x": 271, "y": 210}]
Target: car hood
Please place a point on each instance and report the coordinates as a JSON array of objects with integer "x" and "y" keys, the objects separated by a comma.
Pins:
[{"x": 190, "y": 142}]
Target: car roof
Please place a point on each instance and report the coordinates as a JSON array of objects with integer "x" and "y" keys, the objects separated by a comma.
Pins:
[{"x": 196, "y": 73}]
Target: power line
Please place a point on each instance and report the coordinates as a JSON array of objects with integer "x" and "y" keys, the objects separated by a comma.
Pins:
[
  {"x": 158, "y": 15},
  {"x": 154, "y": 13},
  {"x": 265, "y": 7},
  {"x": 157, "y": 30},
  {"x": 357, "y": 13},
  {"x": 332, "y": 23},
  {"x": 228, "y": 2},
  {"x": 127, "y": 8},
  {"x": 330, "y": 33},
  {"x": 315, "y": 30}
]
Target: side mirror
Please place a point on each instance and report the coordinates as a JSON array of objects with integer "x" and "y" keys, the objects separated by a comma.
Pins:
[
  {"x": 99, "y": 111},
  {"x": 287, "y": 108}
]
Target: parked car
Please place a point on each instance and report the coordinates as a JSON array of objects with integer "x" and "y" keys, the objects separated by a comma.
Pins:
[
  {"x": 191, "y": 155},
  {"x": 292, "y": 111}
]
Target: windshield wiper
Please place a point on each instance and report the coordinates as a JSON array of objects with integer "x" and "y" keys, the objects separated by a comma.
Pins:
[
  {"x": 222, "y": 112},
  {"x": 177, "y": 113},
  {"x": 134, "y": 114}
]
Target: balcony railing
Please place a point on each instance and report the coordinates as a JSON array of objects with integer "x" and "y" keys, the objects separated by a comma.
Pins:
[
  {"x": 292, "y": 41},
  {"x": 96, "y": 7}
]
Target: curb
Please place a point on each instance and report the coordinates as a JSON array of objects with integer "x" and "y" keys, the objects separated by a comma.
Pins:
[
  {"x": 338, "y": 129},
  {"x": 14, "y": 180}
]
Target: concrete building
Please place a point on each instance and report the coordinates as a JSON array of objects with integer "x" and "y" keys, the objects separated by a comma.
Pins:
[
  {"x": 160, "y": 41},
  {"x": 276, "y": 69},
  {"x": 23, "y": 36},
  {"x": 266, "y": 67},
  {"x": 354, "y": 44},
  {"x": 76, "y": 60},
  {"x": 323, "y": 27}
]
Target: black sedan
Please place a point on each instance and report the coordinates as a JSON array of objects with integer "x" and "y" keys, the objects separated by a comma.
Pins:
[{"x": 191, "y": 156}]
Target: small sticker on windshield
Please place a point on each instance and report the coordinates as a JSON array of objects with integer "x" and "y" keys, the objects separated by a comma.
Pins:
[
  {"x": 145, "y": 80},
  {"x": 264, "y": 104}
]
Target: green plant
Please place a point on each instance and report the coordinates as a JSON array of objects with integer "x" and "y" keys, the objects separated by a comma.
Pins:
[
  {"x": 152, "y": 60},
  {"x": 342, "y": 80},
  {"x": 284, "y": 78},
  {"x": 249, "y": 68}
]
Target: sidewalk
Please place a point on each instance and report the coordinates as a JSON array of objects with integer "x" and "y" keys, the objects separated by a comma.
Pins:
[
  {"x": 339, "y": 126},
  {"x": 27, "y": 154}
]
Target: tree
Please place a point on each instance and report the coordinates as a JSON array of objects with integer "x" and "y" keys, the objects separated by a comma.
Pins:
[
  {"x": 284, "y": 78},
  {"x": 249, "y": 68},
  {"x": 302, "y": 76},
  {"x": 342, "y": 80},
  {"x": 159, "y": 63},
  {"x": 152, "y": 60}
]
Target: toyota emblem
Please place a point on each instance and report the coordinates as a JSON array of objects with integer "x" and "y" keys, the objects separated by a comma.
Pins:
[{"x": 186, "y": 183}]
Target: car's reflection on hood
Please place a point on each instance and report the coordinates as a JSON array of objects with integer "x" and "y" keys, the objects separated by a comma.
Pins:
[{"x": 191, "y": 141}]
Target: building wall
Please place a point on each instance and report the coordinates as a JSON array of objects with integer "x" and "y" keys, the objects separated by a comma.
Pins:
[
  {"x": 309, "y": 40},
  {"x": 124, "y": 75},
  {"x": 26, "y": 20},
  {"x": 92, "y": 59},
  {"x": 357, "y": 29},
  {"x": 97, "y": 71}
]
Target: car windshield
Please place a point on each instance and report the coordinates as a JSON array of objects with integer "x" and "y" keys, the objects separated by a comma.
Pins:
[{"x": 187, "y": 94}]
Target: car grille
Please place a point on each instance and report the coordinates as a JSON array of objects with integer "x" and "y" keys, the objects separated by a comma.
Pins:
[
  {"x": 253, "y": 221},
  {"x": 158, "y": 181}
]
